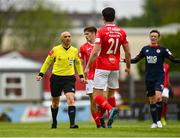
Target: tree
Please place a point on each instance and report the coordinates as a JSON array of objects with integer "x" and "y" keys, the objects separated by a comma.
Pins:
[
  {"x": 8, "y": 13},
  {"x": 172, "y": 42},
  {"x": 35, "y": 27},
  {"x": 156, "y": 13},
  {"x": 160, "y": 12}
]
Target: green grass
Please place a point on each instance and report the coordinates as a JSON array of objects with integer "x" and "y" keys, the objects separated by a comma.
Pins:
[{"x": 87, "y": 129}]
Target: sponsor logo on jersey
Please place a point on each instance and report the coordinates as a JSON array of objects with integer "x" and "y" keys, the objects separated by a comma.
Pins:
[
  {"x": 152, "y": 59},
  {"x": 89, "y": 48}
]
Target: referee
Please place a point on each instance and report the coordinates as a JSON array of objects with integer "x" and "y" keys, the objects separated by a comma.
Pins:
[{"x": 65, "y": 59}]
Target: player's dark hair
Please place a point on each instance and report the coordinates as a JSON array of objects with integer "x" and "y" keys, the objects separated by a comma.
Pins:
[
  {"x": 90, "y": 29},
  {"x": 108, "y": 14},
  {"x": 155, "y": 31}
]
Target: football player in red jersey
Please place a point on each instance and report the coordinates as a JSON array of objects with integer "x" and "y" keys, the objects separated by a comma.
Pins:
[
  {"x": 109, "y": 38},
  {"x": 85, "y": 51},
  {"x": 165, "y": 93}
]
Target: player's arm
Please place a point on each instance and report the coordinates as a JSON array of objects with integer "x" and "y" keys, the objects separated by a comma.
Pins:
[
  {"x": 50, "y": 58},
  {"x": 136, "y": 59},
  {"x": 82, "y": 55},
  {"x": 127, "y": 57},
  {"x": 92, "y": 57},
  {"x": 173, "y": 59},
  {"x": 79, "y": 66}
]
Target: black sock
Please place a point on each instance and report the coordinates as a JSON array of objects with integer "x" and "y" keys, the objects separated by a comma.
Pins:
[
  {"x": 159, "y": 110},
  {"x": 153, "y": 111},
  {"x": 54, "y": 112},
  {"x": 72, "y": 113}
]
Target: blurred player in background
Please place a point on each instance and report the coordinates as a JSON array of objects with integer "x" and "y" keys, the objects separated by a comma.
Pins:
[
  {"x": 155, "y": 55},
  {"x": 85, "y": 51},
  {"x": 166, "y": 93}
]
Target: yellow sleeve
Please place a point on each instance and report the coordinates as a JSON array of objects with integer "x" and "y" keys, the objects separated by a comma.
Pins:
[
  {"x": 78, "y": 64},
  {"x": 49, "y": 59}
]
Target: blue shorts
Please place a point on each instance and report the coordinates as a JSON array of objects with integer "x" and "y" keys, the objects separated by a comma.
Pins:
[{"x": 152, "y": 86}]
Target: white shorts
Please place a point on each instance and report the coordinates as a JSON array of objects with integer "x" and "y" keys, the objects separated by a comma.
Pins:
[
  {"x": 89, "y": 86},
  {"x": 103, "y": 78},
  {"x": 165, "y": 92}
]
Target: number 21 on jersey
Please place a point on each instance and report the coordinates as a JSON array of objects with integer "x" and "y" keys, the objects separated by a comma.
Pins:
[{"x": 114, "y": 42}]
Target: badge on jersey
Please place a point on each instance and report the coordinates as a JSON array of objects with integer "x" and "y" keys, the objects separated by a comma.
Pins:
[
  {"x": 158, "y": 50},
  {"x": 71, "y": 61},
  {"x": 51, "y": 53},
  {"x": 147, "y": 50}
]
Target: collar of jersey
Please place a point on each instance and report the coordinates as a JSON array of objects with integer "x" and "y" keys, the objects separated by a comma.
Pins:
[
  {"x": 90, "y": 44},
  {"x": 154, "y": 46},
  {"x": 65, "y": 48},
  {"x": 110, "y": 24}
]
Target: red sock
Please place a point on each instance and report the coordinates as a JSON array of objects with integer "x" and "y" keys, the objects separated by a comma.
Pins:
[
  {"x": 96, "y": 118},
  {"x": 102, "y": 111},
  {"x": 102, "y": 102},
  {"x": 164, "y": 110},
  {"x": 112, "y": 101}
]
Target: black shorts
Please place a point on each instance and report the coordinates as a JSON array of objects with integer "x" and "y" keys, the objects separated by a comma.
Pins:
[
  {"x": 62, "y": 83},
  {"x": 152, "y": 86}
]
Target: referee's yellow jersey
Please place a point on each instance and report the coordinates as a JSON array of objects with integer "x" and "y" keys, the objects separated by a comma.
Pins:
[{"x": 65, "y": 61}]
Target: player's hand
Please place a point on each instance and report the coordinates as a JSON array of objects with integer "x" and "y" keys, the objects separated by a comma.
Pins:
[
  {"x": 127, "y": 70},
  {"x": 38, "y": 78},
  {"x": 83, "y": 80}
]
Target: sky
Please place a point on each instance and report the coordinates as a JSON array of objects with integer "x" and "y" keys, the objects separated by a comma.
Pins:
[{"x": 124, "y": 8}]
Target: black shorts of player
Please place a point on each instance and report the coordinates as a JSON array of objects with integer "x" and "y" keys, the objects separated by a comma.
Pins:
[
  {"x": 62, "y": 83},
  {"x": 152, "y": 86}
]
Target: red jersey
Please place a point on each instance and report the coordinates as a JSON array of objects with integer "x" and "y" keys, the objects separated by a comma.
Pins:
[
  {"x": 110, "y": 37},
  {"x": 84, "y": 52},
  {"x": 166, "y": 75}
]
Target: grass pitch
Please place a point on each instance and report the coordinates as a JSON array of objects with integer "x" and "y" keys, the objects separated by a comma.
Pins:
[{"x": 123, "y": 128}]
